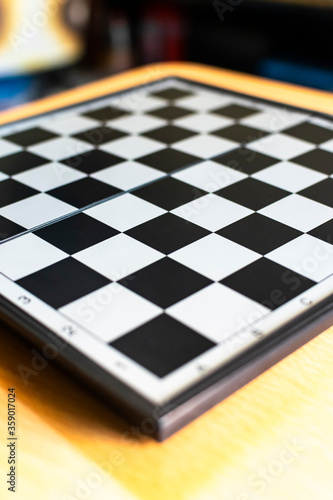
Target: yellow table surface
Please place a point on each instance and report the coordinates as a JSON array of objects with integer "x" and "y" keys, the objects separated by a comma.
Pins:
[{"x": 271, "y": 440}]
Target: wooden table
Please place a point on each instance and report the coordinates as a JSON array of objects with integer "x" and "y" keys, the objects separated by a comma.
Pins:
[{"x": 271, "y": 440}]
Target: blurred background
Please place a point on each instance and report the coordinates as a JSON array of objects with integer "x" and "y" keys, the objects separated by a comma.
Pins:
[{"x": 51, "y": 45}]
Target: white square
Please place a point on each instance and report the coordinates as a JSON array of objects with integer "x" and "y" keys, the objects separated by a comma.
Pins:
[
  {"x": 307, "y": 256},
  {"x": 49, "y": 176},
  {"x": 327, "y": 146},
  {"x": 36, "y": 210},
  {"x": 128, "y": 175},
  {"x": 247, "y": 103},
  {"x": 212, "y": 212},
  {"x": 137, "y": 124},
  {"x": 205, "y": 101},
  {"x": 274, "y": 120},
  {"x": 118, "y": 256},
  {"x": 217, "y": 311},
  {"x": 138, "y": 102},
  {"x": 132, "y": 147},
  {"x": 203, "y": 122},
  {"x": 322, "y": 122},
  {"x": 215, "y": 257},
  {"x": 8, "y": 148},
  {"x": 125, "y": 212},
  {"x": 209, "y": 176},
  {"x": 69, "y": 124},
  {"x": 289, "y": 176},
  {"x": 281, "y": 146},
  {"x": 26, "y": 255},
  {"x": 3, "y": 176},
  {"x": 58, "y": 149},
  {"x": 205, "y": 146},
  {"x": 298, "y": 212},
  {"x": 111, "y": 311}
]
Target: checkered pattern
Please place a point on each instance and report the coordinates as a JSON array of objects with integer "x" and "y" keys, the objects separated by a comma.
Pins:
[{"x": 165, "y": 224}]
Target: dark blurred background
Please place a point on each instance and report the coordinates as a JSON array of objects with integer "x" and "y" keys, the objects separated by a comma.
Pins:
[{"x": 51, "y": 45}]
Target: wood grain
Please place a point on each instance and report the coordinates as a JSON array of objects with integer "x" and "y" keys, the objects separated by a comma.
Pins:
[{"x": 273, "y": 439}]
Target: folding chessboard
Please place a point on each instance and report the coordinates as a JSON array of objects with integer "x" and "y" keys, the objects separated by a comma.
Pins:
[{"x": 166, "y": 230}]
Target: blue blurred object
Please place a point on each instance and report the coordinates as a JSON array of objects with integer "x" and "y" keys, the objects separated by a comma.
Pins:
[
  {"x": 17, "y": 90},
  {"x": 295, "y": 72}
]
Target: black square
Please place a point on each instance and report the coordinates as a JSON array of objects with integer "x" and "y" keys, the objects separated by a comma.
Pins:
[
  {"x": 92, "y": 161},
  {"x": 169, "y": 134},
  {"x": 12, "y": 191},
  {"x": 99, "y": 135},
  {"x": 235, "y": 111},
  {"x": 246, "y": 160},
  {"x": 165, "y": 282},
  {"x": 252, "y": 194},
  {"x": 169, "y": 193},
  {"x": 259, "y": 233},
  {"x": 167, "y": 233},
  {"x": 324, "y": 232},
  {"x": 83, "y": 192},
  {"x": 268, "y": 283},
  {"x": 317, "y": 159},
  {"x": 20, "y": 162},
  {"x": 240, "y": 133},
  {"x": 30, "y": 137},
  {"x": 9, "y": 228},
  {"x": 76, "y": 233},
  {"x": 168, "y": 160},
  {"x": 63, "y": 282},
  {"x": 162, "y": 345},
  {"x": 170, "y": 112},
  {"x": 105, "y": 113},
  {"x": 171, "y": 94},
  {"x": 310, "y": 132},
  {"x": 321, "y": 192}
]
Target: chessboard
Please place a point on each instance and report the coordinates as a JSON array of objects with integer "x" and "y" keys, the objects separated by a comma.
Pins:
[{"x": 164, "y": 230}]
